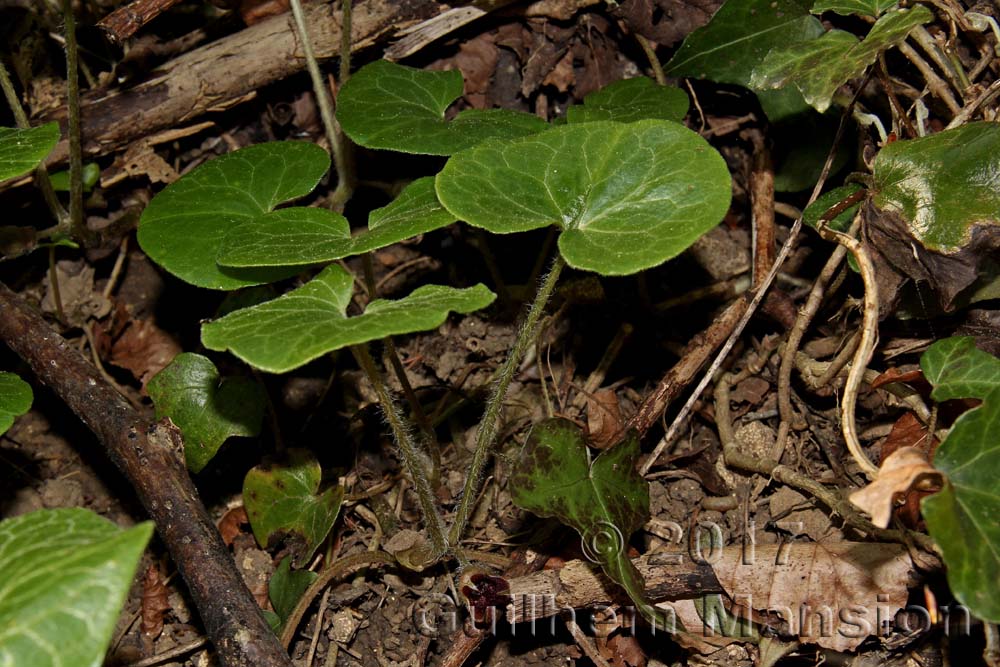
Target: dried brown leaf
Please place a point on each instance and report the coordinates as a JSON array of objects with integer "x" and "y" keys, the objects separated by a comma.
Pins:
[
  {"x": 604, "y": 419},
  {"x": 902, "y": 470}
]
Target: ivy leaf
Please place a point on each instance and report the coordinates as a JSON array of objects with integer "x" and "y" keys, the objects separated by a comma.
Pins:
[
  {"x": 818, "y": 67},
  {"x": 873, "y": 8},
  {"x": 310, "y": 321},
  {"x": 23, "y": 150},
  {"x": 604, "y": 500},
  {"x": 314, "y": 235},
  {"x": 15, "y": 399},
  {"x": 185, "y": 224},
  {"x": 962, "y": 517},
  {"x": 390, "y": 106},
  {"x": 66, "y": 573},
  {"x": 627, "y": 196},
  {"x": 286, "y": 588},
  {"x": 207, "y": 409},
  {"x": 630, "y": 100},
  {"x": 283, "y": 500}
]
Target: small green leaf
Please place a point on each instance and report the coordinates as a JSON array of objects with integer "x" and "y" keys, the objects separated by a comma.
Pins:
[
  {"x": 962, "y": 517},
  {"x": 630, "y": 100},
  {"x": 66, "y": 573},
  {"x": 943, "y": 185},
  {"x": 15, "y": 399},
  {"x": 604, "y": 500},
  {"x": 316, "y": 235},
  {"x": 819, "y": 66},
  {"x": 842, "y": 221},
  {"x": 390, "y": 106},
  {"x": 23, "y": 150},
  {"x": 286, "y": 588},
  {"x": 283, "y": 500},
  {"x": 628, "y": 196},
  {"x": 310, "y": 321},
  {"x": 185, "y": 224},
  {"x": 91, "y": 173},
  {"x": 873, "y": 8},
  {"x": 207, "y": 409}
]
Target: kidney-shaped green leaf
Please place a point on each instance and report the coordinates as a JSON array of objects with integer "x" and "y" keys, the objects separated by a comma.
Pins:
[
  {"x": 313, "y": 235},
  {"x": 604, "y": 500},
  {"x": 185, "y": 224},
  {"x": 15, "y": 399},
  {"x": 630, "y": 100},
  {"x": 627, "y": 196},
  {"x": 65, "y": 576},
  {"x": 312, "y": 320},
  {"x": 390, "y": 106},
  {"x": 23, "y": 150},
  {"x": 283, "y": 501},
  {"x": 818, "y": 67},
  {"x": 873, "y": 8},
  {"x": 943, "y": 185},
  {"x": 206, "y": 408},
  {"x": 962, "y": 517}
]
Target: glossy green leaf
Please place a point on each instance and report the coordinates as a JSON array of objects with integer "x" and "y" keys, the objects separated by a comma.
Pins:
[
  {"x": 390, "y": 106},
  {"x": 286, "y": 588},
  {"x": 943, "y": 185},
  {"x": 66, "y": 573},
  {"x": 313, "y": 235},
  {"x": 627, "y": 196},
  {"x": 630, "y": 100},
  {"x": 819, "y": 66},
  {"x": 312, "y": 320},
  {"x": 91, "y": 174},
  {"x": 738, "y": 37},
  {"x": 283, "y": 500},
  {"x": 840, "y": 222},
  {"x": 207, "y": 408},
  {"x": 23, "y": 150},
  {"x": 962, "y": 517},
  {"x": 15, "y": 399},
  {"x": 873, "y": 8},
  {"x": 185, "y": 224},
  {"x": 605, "y": 500}
]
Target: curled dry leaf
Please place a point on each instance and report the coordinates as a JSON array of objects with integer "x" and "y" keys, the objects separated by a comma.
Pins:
[
  {"x": 605, "y": 426},
  {"x": 232, "y": 523},
  {"x": 144, "y": 349},
  {"x": 902, "y": 470},
  {"x": 154, "y": 606}
]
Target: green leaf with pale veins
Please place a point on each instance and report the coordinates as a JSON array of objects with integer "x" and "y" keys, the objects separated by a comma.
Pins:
[
  {"x": 208, "y": 409},
  {"x": 184, "y": 226},
  {"x": 312, "y": 320},
  {"x": 66, "y": 573},
  {"x": 283, "y": 501},
  {"x": 394, "y": 107},
  {"x": 15, "y": 399},
  {"x": 818, "y": 67},
  {"x": 23, "y": 150},
  {"x": 313, "y": 235},
  {"x": 627, "y": 196},
  {"x": 872, "y": 8},
  {"x": 605, "y": 500},
  {"x": 944, "y": 185},
  {"x": 630, "y": 100},
  {"x": 962, "y": 517}
]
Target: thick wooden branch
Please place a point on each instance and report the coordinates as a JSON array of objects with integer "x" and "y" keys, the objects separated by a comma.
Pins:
[{"x": 151, "y": 455}]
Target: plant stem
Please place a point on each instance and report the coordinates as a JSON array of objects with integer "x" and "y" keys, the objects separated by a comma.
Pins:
[
  {"x": 490, "y": 424},
  {"x": 76, "y": 226},
  {"x": 654, "y": 62},
  {"x": 412, "y": 457}
]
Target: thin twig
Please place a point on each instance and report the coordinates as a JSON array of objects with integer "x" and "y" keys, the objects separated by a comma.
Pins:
[
  {"x": 972, "y": 107},
  {"x": 934, "y": 82},
  {"x": 76, "y": 225},
  {"x": 172, "y": 654}
]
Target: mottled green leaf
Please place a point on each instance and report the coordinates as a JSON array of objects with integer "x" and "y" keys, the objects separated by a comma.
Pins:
[
  {"x": 943, "y": 185},
  {"x": 818, "y": 67},
  {"x": 185, "y": 224},
  {"x": 390, "y": 106},
  {"x": 286, "y": 588},
  {"x": 630, "y": 100},
  {"x": 605, "y": 500},
  {"x": 283, "y": 501},
  {"x": 207, "y": 408},
  {"x": 962, "y": 517},
  {"x": 15, "y": 399},
  {"x": 627, "y": 196},
  {"x": 23, "y": 150},
  {"x": 66, "y": 573},
  {"x": 314, "y": 235},
  {"x": 873, "y": 8},
  {"x": 310, "y": 321}
]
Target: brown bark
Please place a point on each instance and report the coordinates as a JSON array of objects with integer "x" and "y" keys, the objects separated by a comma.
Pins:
[
  {"x": 151, "y": 455},
  {"x": 128, "y": 20}
]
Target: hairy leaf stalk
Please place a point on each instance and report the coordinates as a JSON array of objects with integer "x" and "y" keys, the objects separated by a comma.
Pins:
[{"x": 76, "y": 226}]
